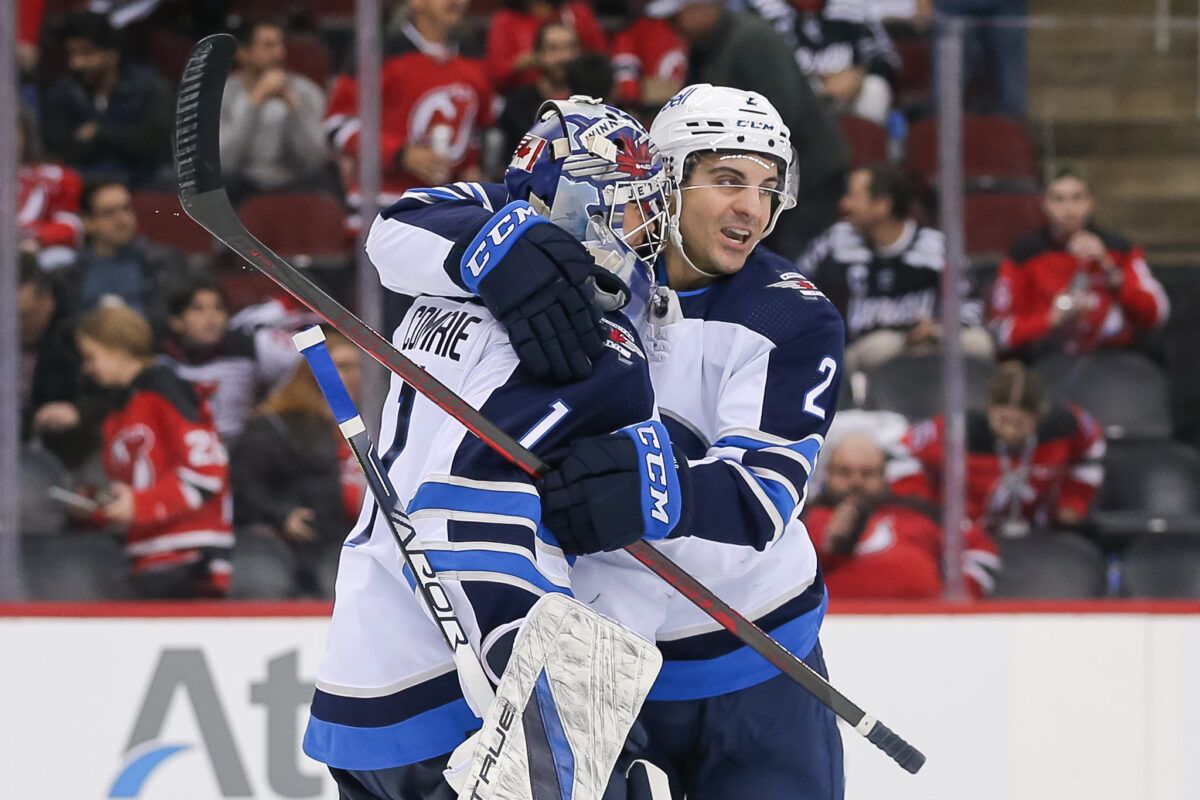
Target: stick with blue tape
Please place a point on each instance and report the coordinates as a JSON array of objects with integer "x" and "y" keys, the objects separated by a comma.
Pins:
[{"x": 430, "y": 592}]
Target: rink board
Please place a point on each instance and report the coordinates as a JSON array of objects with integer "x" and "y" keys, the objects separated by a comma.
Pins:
[{"x": 1035, "y": 703}]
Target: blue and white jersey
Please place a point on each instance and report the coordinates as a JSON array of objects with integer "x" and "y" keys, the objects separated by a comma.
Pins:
[
  {"x": 387, "y": 692},
  {"x": 746, "y": 375}
]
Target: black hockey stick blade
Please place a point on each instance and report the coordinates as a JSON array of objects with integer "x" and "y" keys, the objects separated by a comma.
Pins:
[{"x": 202, "y": 194}]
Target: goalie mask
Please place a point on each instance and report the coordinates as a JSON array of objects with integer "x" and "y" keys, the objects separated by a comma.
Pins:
[
  {"x": 704, "y": 118},
  {"x": 594, "y": 171}
]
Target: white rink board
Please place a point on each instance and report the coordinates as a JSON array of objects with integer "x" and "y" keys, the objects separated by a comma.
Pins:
[{"x": 1006, "y": 707}]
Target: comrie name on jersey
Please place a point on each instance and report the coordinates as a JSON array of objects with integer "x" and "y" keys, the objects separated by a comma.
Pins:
[{"x": 439, "y": 331}]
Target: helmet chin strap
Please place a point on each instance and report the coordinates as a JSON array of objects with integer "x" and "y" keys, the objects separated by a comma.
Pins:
[{"x": 677, "y": 237}]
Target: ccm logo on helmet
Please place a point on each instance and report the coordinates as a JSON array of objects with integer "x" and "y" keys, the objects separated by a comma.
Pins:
[
  {"x": 499, "y": 233},
  {"x": 755, "y": 125},
  {"x": 656, "y": 472}
]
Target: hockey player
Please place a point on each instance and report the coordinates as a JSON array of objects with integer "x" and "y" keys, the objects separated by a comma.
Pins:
[
  {"x": 745, "y": 357},
  {"x": 389, "y": 707}
]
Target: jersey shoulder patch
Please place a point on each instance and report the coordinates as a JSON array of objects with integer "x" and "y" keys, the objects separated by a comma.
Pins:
[{"x": 620, "y": 338}]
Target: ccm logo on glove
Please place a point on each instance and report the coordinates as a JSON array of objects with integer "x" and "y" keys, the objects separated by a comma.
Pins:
[
  {"x": 492, "y": 243},
  {"x": 656, "y": 473}
]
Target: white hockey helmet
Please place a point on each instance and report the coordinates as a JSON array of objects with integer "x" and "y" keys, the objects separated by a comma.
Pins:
[{"x": 704, "y": 118}]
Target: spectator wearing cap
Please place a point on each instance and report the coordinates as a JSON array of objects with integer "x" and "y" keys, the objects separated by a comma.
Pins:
[
  {"x": 107, "y": 115},
  {"x": 728, "y": 48},
  {"x": 873, "y": 544},
  {"x": 1071, "y": 286},
  {"x": 1030, "y": 466},
  {"x": 883, "y": 271}
]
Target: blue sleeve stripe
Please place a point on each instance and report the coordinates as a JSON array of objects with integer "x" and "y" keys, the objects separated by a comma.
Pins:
[
  {"x": 423, "y": 736},
  {"x": 449, "y": 497},
  {"x": 780, "y": 494},
  {"x": 807, "y": 448},
  {"x": 483, "y": 561},
  {"x": 773, "y": 464},
  {"x": 689, "y": 680}
]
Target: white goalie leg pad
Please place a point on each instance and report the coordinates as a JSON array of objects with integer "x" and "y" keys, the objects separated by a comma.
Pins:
[{"x": 573, "y": 686}]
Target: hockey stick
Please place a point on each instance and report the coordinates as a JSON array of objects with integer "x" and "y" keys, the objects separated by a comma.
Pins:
[
  {"x": 430, "y": 592},
  {"x": 202, "y": 194}
]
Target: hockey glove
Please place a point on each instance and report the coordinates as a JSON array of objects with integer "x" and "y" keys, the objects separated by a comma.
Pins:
[
  {"x": 610, "y": 491},
  {"x": 534, "y": 278}
]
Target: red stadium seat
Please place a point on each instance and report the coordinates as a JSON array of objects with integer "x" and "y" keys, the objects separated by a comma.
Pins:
[
  {"x": 867, "y": 140},
  {"x": 161, "y": 219},
  {"x": 307, "y": 55},
  {"x": 169, "y": 53},
  {"x": 997, "y": 152},
  {"x": 306, "y": 228},
  {"x": 914, "y": 84},
  {"x": 993, "y": 221}
]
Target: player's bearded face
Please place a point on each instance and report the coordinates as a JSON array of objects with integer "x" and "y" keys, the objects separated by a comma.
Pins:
[{"x": 727, "y": 204}]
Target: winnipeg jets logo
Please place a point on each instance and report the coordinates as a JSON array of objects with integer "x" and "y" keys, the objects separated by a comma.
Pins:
[
  {"x": 794, "y": 280},
  {"x": 622, "y": 342}
]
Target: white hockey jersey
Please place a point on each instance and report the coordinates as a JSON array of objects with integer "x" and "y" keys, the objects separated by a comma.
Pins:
[
  {"x": 746, "y": 374},
  {"x": 387, "y": 693}
]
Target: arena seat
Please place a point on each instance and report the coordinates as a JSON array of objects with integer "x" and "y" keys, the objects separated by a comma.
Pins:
[
  {"x": 1125, "y": 391},
  {"x": 40, "y": 470},
  {"x": 998, "y": 153},
  {"x": 264, "y": 567},
  {"x": 912, "y": 385},
  {"x": 1162, "y": 566},
  {"x": 161, "y": 219},
  {"x": 1156, "y": 478},
  {"x": 306, "y": 228},
  {"x": 307, "y": 55},
  {"x": 74, "y": 567},
  {"x": 992, "y": 221},
  {"x": 914, "y": 84},
  {"x": 1050, "y": 565},
  {"x": 867, "y": 140}
]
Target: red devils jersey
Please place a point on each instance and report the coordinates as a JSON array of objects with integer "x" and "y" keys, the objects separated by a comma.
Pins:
[
  {"x": 511, "y": 34},
  {"x": 430, "y": 96},
  {"x": 164, "y": 445},
  {"x": 48, "y": 204},
  {"x": 1038, "y": 268},
  {"x": 648, "y": 48},
  {"x": 899, "y": 556},
  {"x": 1061, "y": 467}
]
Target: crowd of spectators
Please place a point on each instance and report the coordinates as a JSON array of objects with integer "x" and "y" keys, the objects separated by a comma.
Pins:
[{"x": 460, "y": 84}]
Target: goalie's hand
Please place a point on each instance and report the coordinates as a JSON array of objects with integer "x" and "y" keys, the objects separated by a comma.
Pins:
[
  {"x": 609, "y": 491},
  {"x": 534, "y": 279}
]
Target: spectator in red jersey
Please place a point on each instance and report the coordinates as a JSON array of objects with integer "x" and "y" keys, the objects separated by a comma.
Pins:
[
  {"x": 1071, "y": 286},
  {"x": 873, "y": 544},
  {"x": 1029, "y": 467},
  {"x": 650, "y": 62},
  {"x": 47, "y": 199},
  {"x": 293, "y": 472},
  {"x": 167, "y": 465},
  {"x": 511, "y": 60},
  {"x": 435, "y": 103},
  {"x": 554, "y": 48}
]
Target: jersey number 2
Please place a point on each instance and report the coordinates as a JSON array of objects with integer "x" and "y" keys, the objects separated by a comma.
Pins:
[{"x": 828, "y": 368}]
